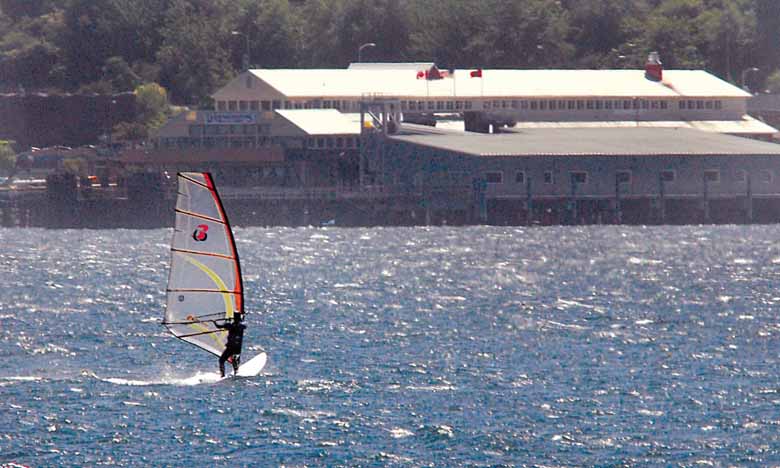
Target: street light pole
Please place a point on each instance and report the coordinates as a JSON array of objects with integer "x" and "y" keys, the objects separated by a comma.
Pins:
[
  {"x": 245, "y": 58},
  {"x": 744, "y": 75},
  {"x": 360, "y": 49}
]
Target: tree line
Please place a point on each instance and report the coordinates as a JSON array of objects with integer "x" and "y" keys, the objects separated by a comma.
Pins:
[{"x": 192, "y": 47}]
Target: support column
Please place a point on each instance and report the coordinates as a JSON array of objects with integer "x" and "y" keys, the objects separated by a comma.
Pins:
[
  {"x": 618, "y": 211},
  {"x": 661, "y": 198},
  {"x": 706, "y": 197},
  {"x": 749, "y": 200},
  {"x": 529, "y": 203}
]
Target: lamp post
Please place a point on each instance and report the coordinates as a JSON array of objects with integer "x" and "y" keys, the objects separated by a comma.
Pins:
[
  {"x": 744, "y": 75},
  {"x": 245, "y": 58},
  {"x": 360, "y": 50}
]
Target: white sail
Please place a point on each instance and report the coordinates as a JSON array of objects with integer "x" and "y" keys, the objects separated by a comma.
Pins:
[{"x": 204, "y": 283}]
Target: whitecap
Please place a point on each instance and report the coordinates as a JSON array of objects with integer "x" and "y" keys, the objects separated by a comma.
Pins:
[{"x": 400, "y": 433}]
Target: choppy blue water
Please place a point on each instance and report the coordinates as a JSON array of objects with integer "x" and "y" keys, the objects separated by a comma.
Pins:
[{"x": 402, "y": 347}]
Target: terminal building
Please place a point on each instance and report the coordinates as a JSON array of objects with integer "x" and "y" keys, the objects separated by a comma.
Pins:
[{"x": 409, "y": 143}]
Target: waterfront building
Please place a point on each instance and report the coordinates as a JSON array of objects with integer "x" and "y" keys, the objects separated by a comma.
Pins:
[{"x": 499, "y": 146}]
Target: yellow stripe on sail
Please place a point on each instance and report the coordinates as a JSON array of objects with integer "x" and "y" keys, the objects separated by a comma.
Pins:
[{"x": 221, "y": 286}]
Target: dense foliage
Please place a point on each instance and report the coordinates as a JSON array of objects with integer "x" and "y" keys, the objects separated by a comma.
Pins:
[{"x": 191, "y": 47}]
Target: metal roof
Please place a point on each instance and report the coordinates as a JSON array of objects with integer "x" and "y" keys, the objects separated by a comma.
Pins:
[
  {"x": 593, "y": 142},
  {"x": 322, "y": 121},
  {"x": 404, "y": 83},
  {"x": 747, "y": 125}
]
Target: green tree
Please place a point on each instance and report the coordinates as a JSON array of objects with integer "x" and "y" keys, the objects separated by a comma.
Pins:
[
  {"x": 773, "y": 82},
  {"x": 268, "y": 30},
  {"x": 728, "y": 35},
  {"x": 7, "y": 157},
  {"x": 194, "y": 59},
  {"x": 317, "y": 28},
  {"x": 530, "y": 34},
  {"x": 767, "y": 52},
  {"x": 452, "y": 34},
  {"x": 671, "y": 29}
]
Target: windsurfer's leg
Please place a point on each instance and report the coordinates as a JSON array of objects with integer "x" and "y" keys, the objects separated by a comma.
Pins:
[
  {"x": 222, "y": 360},
  {"x": 235, "y": 361}
]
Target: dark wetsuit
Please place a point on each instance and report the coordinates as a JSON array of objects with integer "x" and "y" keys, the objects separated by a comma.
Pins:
[{"x": 235, "y": 339}]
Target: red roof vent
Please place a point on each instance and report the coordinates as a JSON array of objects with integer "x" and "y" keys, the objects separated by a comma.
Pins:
[{"x": 653, "y": 68}]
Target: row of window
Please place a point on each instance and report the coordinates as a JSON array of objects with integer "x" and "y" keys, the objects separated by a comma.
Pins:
[
  {"x": 215, "y": 142},
  {"x": 625, "y": 176},
  {"x": 212, "y": 130},
  {"x": 255, "y": 142},
  {"x": 448, "y": 105},
  {"x": 333, "y": 142}
]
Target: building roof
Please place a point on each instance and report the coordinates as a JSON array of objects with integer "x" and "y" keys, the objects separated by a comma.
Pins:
[
  {"x": 592, "y": 142},
  {"x": 322, "y": 121},
  {"x": 404, "y": 83}
]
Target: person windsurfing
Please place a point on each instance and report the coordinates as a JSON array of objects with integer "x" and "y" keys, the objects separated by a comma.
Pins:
[{"x": 235, "y": 338}]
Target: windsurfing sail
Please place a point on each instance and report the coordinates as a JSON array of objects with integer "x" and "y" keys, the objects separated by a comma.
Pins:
[{"x": 204, "y": 282}]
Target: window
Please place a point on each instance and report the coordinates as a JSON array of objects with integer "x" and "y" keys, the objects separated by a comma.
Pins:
[
  {"x": 431, "y": 105},
  {"x": 467, "y": 105},
  {"x": 607, "y": 104},
  {"x": 580, "y": 105},
  {"x": 623, "y": 177},
  {"x": 232, "y": 105},
  {"x": 712, "y": 175},
  {"x": 766, "y": 176},
  {"x": 515, "y": 104},
  {"x": 548, "y": 177},
  {"x": 578, "y": 177},
  {"x": 534, "y": 105},
  {"x": 494, "y": 177},
  {"x": 740, "y": 175},
  {"x": 254, "y": 106},
  {"x": 570, "y": 104},
  {"x": 412, "y": 105},
  {"x": 667, "y": 176},
  {"x": 718, "y": 104},
  {"x": 265, "y": 105},
  {"x": 248, "y": 81},
  {"x": 243, "y": 105},
  {"x": 520, "y": 177},
  {"x": 450, "y": 105},
  {"x": 542, "y": 105},
  {"x": 458, "y": 104}
]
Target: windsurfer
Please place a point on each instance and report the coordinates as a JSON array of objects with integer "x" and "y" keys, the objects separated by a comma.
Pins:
[{"x": 235, "y": 339}]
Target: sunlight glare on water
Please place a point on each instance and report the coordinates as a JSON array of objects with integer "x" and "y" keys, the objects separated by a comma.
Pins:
[{"x": 479, "y": 346}]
